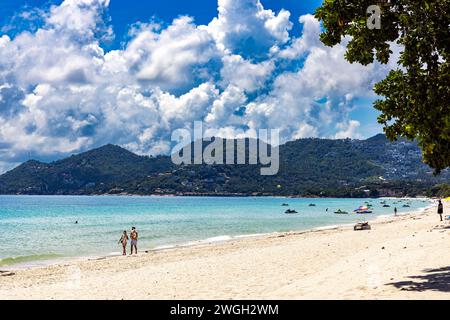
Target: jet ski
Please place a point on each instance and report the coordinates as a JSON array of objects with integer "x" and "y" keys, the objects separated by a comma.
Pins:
[{"x": 341, "y": 212}]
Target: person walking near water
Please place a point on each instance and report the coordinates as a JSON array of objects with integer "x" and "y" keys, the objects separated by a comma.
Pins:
[
  {"x": 124, "y": 240},
  {"x": 395, "y": 211},
  {"x": 134, "y": 239},
  {"x": 441, "y": 210}
]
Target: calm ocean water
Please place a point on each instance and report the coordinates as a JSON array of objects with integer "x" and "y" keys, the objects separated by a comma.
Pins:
[{"x": 34, "y": 229}]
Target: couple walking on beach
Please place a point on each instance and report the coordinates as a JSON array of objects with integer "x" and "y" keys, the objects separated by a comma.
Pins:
[{"x": 134, "y": 239}]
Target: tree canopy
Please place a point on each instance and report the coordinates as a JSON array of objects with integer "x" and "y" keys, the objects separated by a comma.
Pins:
[{"x": 414, "y": 98}]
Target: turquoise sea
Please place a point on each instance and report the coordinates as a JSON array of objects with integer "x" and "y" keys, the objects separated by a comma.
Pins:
[{"x": 37, "y": 229}]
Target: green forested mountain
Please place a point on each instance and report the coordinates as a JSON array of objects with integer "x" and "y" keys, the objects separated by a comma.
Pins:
[{"x": 308, "y": 167}]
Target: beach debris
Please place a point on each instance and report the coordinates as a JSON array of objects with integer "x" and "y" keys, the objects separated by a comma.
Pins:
[
  {"x": 92, "y": 259},
  {"x": 6, "y": 273},
  {"x": 362, "y": 226}
]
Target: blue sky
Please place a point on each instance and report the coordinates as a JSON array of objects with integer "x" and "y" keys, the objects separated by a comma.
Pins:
[
  {"x": 130, "y": 11},
  {"x": 124, "y": 13},
  {"x": 77, "y": 74}
]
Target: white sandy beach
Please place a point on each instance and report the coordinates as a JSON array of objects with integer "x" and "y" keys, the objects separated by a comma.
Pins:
[{"x": 406, "y": 257}]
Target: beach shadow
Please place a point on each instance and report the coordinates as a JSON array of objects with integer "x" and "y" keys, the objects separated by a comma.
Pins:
[
  {"x": 433, "y": 280},
  {"x": 442, "y": 228}
]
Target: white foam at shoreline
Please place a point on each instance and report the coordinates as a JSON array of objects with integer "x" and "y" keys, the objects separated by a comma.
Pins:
[
  {"x": 208, "y": 240},
  {"x": 165, "y": 247},
  {"x": 331, "y": 227},
  {"x": 253, "y": 235}
]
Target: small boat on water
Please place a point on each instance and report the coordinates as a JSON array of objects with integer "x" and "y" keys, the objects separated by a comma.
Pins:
[
  {"x": 312, "y": 205},
  {"x": 289, "y": 211},
  {"x": 341, "y": 212},
  {"x": 363, "y": 210}
]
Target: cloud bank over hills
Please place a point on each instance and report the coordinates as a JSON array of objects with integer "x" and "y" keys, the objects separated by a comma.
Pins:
[{"x": 61, "y": 92}]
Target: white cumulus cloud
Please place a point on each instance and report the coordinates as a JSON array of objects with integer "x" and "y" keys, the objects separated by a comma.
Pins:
[{"x": 61, "y": 92}]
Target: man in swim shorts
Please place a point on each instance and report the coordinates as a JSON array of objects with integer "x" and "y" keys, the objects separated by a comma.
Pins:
[{"x": 134, "y": 239}]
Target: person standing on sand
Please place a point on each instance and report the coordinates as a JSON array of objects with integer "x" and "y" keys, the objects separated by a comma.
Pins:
[
  {"x": 395, "y": 211},
  {"x": 134, "y": 239},
  {"x": 440, "y": 210},
  {"x": 124, "y": 240}
]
